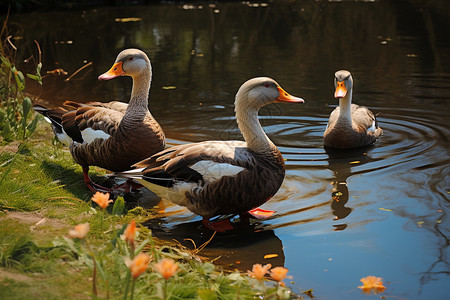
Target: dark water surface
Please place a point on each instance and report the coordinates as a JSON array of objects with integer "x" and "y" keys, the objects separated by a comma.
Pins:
[{"x": 381, "y": 211}]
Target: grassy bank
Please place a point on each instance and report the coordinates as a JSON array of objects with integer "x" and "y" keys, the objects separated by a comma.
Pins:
[{"x": 42, "y": 197}]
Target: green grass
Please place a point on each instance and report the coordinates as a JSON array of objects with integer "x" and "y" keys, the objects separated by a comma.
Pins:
[{"x": 42, "y": 196}]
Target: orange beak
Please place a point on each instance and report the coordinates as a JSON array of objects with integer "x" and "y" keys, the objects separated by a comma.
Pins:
[
  {"x": 340, "y": 91},
  {"x": 115, "y": 71},
  {"x": 285, "y": 97}
]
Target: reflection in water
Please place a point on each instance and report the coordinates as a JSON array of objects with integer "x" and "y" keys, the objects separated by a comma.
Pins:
[
  {"x": 340, "y": 162},
  {"x": 238, "y": 249}
]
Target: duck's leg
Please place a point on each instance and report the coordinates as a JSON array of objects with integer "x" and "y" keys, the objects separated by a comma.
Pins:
[
  {"x": 92, "y": 185},
  {"x": 259, "y": 213},
  {"x": 125, "y": 187},
  {"x": 128, "y": 186},
  {"x": 220, "y": 226}
]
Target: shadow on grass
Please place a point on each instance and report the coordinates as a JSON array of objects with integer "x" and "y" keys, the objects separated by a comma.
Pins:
[{"x": 72, "y": 180}]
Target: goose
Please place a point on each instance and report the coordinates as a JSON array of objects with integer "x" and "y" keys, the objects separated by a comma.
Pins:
[
  {"x": 111, "y": 135},
  {"x": 214, "y": 178},
  {"x": 349, "y": 125}
]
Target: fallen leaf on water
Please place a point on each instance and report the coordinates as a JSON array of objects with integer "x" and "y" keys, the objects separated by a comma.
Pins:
[
  {"x": 420, "y": 223},
  {"x": 372, "y": 284},
  {"x": 170, "y": 87},
  {"x": 385, "y": 209},
  {"x": 354, "y": 162},
  {"x": 270, "y": 256},
  {"x": 124, "y": 20}
]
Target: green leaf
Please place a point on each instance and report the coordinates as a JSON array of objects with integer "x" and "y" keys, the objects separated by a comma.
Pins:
[
  {"x": 3, "y": 115},
  {"x": 119, "y": 206},
  {"x": 141, "y": 246},
  {"x": 32, "y": 126},
  {"x": 20, "y": 80},
  {"x": 70, "y": 244},
  {"x": 26, "y": 106},
  {"x": 38, "y": 76},
  {"x": 35, "y": 77},
  {"x": 204, "y": 294},
  {"x": 5, "y": 61},
  {"x": 100, "y": 269},
  {"x": 6, "y": 131}
]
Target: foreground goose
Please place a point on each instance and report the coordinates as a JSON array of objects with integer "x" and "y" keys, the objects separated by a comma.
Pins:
[
  {"x": 222, "y": 177},
  {"x": 350, "y": 125},
  {"x": 112, "y": 135}
]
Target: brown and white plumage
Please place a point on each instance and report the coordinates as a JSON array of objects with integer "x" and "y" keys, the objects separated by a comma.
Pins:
[
  {"x": 349, "y": 125},
  {"x": 222, "y": 177},
  {"x": 112, "y": 135}
]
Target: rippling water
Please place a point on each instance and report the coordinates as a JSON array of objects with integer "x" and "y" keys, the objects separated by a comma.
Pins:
[{"x": 341, "y": 216}]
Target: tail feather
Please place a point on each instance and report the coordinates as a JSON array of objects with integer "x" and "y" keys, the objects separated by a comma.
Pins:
[
  {"x": 56, "y": 117},
  {"x": 159, "y": 177},
  {"x": 52, "y": 115}
]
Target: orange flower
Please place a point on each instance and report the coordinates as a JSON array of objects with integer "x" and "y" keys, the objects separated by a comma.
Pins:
[
  {"x": 259, "y": 271},
  {"x": 101, "y": 199},
  {"x": 372, "y": 284},
  {"x": 80, "y": 231},
  {"x": 278, "y": 273},
  {"x": 166, "y": 267},
  {"x": 130, "y": 232},
  {"x": 138, "y": 265}
]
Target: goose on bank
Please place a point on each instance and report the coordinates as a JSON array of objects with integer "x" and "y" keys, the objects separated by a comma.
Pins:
[
  {"x": 350, "y": 125},
  {"x": 214, "y": 178},
  {"x": 112, "y": 135}
]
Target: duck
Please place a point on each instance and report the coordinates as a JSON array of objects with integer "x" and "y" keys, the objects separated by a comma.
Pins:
[
  {"x": 349, "y": 125},
  {"x": 217, "y": 178},
  {"x": 111, "y": 135}
]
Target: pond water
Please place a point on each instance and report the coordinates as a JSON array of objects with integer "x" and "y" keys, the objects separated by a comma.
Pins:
[{"x": 380, "y": 211}]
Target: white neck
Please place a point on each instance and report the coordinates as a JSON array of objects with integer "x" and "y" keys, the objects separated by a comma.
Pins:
[
  {"x": 345, "y": 106},
  {"x": 248, "y": 123}
]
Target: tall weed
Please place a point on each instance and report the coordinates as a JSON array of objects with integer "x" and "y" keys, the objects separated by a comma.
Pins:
[{"x": 17, "y": 119}]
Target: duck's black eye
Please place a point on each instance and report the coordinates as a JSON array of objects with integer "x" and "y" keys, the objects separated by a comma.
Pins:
[
  {"x": 266, "y": 84},
  {"x": 131, "y": 58}
]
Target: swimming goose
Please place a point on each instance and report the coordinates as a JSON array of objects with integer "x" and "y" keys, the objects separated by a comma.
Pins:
[
  {"x": 112, "y": 135},
  {"x": 350, "y": 125},
  {"x": 214, "y": 178}
]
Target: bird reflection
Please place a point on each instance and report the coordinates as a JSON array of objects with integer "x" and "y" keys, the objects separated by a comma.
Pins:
[
  {"x": 340, "y": 162},
  {"x": 236, "y": 250}
]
